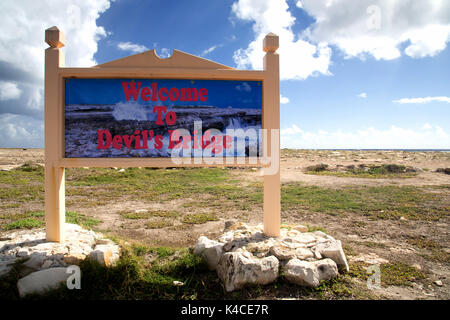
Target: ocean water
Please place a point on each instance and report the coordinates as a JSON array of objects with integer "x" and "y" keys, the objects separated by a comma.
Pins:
[{"x": 83, "y": 121}]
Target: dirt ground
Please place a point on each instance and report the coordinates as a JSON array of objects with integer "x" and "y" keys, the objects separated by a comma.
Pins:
[{"x": 367, "y": 240}]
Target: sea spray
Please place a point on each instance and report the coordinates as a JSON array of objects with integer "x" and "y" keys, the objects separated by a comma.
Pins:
[{"x": 132, "y": 111}]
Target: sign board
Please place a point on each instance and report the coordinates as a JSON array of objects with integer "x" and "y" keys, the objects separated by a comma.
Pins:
[
  {"x": 144, "y": 111},
  {"x": 156, "y": 118}
]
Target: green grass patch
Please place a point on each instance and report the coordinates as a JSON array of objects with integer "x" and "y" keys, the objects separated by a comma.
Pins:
[
  {"x": 392, "y": 274},
  {"x": 199, "y": 218},
  {"x": 434, "y": 251},
  {"x": 385, "y": 202},
  {"x": 316, "y": 228},
  {"x": 135, "y": 278},
  {"x": 36, "y": 219},
  {"x": 399, "y": 274},
  {"x": 80, "y": 219},
  {"x": 158, "y": 224},
  {"x": 87, "y": 188},
  {"x": 373, "y": 244},
  {"x": 149, "y": 214},
  {"x": 27, "y": 223},
  {"x": 364, "y": 171}
]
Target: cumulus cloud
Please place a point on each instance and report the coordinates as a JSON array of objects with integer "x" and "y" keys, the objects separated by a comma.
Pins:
[
  {"x": 423, "y": 100},
  {"x": 131, "y": 47},
  {"x": 283, "y": 100},
  {"x": 9, "y": 90},
  {"x": 19, "y": 131},
  {"x": 301, "y": 58},
  {"x": 380, "y": 28},
  {"x": 164, "y": 53},
  {"x": 383, "y": 29},
  {"x": 427, "y": 137},
  {"x": 22, "y": 46}
]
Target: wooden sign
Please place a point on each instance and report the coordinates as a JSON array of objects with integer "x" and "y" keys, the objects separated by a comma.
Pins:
[{"x": 143, "y": 111}]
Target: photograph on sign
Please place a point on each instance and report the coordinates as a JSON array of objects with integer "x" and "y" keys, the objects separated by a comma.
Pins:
[{"x": 156, "y": 117}]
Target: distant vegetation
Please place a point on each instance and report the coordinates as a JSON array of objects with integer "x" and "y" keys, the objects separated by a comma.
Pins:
[{"x": 364, "y": 171}]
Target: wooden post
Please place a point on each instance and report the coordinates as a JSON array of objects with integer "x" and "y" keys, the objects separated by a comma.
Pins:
[
  {"x": 271, "y": 121},
  {"x": 54, "y": 174}
]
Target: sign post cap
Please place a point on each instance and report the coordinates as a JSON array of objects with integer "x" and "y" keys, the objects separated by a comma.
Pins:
[
  {"x": 271, "y": 42},
  {"x": 54, "y": 37}
]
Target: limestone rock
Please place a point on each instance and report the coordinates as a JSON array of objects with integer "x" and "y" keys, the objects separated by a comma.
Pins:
[
  {"x": 334, "y": 251},
  {"x": 106, "y": 255},
  {"x": 438, "y": 283},
  {"x": 244, "y": 254},
  {"x": 210, "y": 250},
  {"x": 37, "y": 253},
  {"x": 35, "y": 262},
  {"x": 74, "y": 258},
  {"x": 310, "y": 273},
  {"x": 237, "y": 269},
  {"x": 283, "y": 252},
  {"x": 41, "y": 281}
]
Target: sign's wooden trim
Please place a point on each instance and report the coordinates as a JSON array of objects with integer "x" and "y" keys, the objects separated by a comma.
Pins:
[{"x": 163, "y": 73}]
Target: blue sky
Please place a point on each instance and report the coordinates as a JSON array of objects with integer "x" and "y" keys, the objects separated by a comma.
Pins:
[{"x": 365, "y": 74}]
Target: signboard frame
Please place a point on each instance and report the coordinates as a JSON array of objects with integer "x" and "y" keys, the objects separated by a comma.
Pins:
[{"x": 148, "y": 65}]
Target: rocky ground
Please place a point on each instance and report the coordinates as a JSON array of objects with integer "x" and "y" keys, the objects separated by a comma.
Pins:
[
  {"x": 43, "y": 264},
  {"x": 406, "y": 223}
]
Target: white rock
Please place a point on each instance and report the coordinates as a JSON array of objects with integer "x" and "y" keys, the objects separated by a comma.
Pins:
[
  {"x": 41, "y": 281},
  {"x": 303, "y": 253},
  {"x": 310, "y": 273},
  {"x": 282, "y": 252},
  {"x": 305, "y": 238},
  {"x": 438, "y": 283},
  {"x": 210, "y": 250},
  {"x": 106, "y": 255},
  {"x": 236, "y": 270},
  {"x": 333, "y": 250}
]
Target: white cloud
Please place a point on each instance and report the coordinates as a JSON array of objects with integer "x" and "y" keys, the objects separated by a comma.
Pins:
[
  {"x": 9, "y": 90},
  {"x": 362, "y": 95},
  {"x": 370, "y": 138},
  {"x": 423, "y": 100},
  {"x": 244, "y": 87},
  {"x": 22, "y": 45},
  {"x": 383, "y": 29},
  {"x": 300, "y": 59},
  {"x": 283, "y": 100},
  {"x": 208, "y": 51},
  {"x": 132, "y": 47},
  {"x": 23, "y": 24},
  {"x": 427, "y": 126},
  {"x": 380, "y": 27},
  {"x": 164, "y": 53},
  {"x": 20, "y": 131}
]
